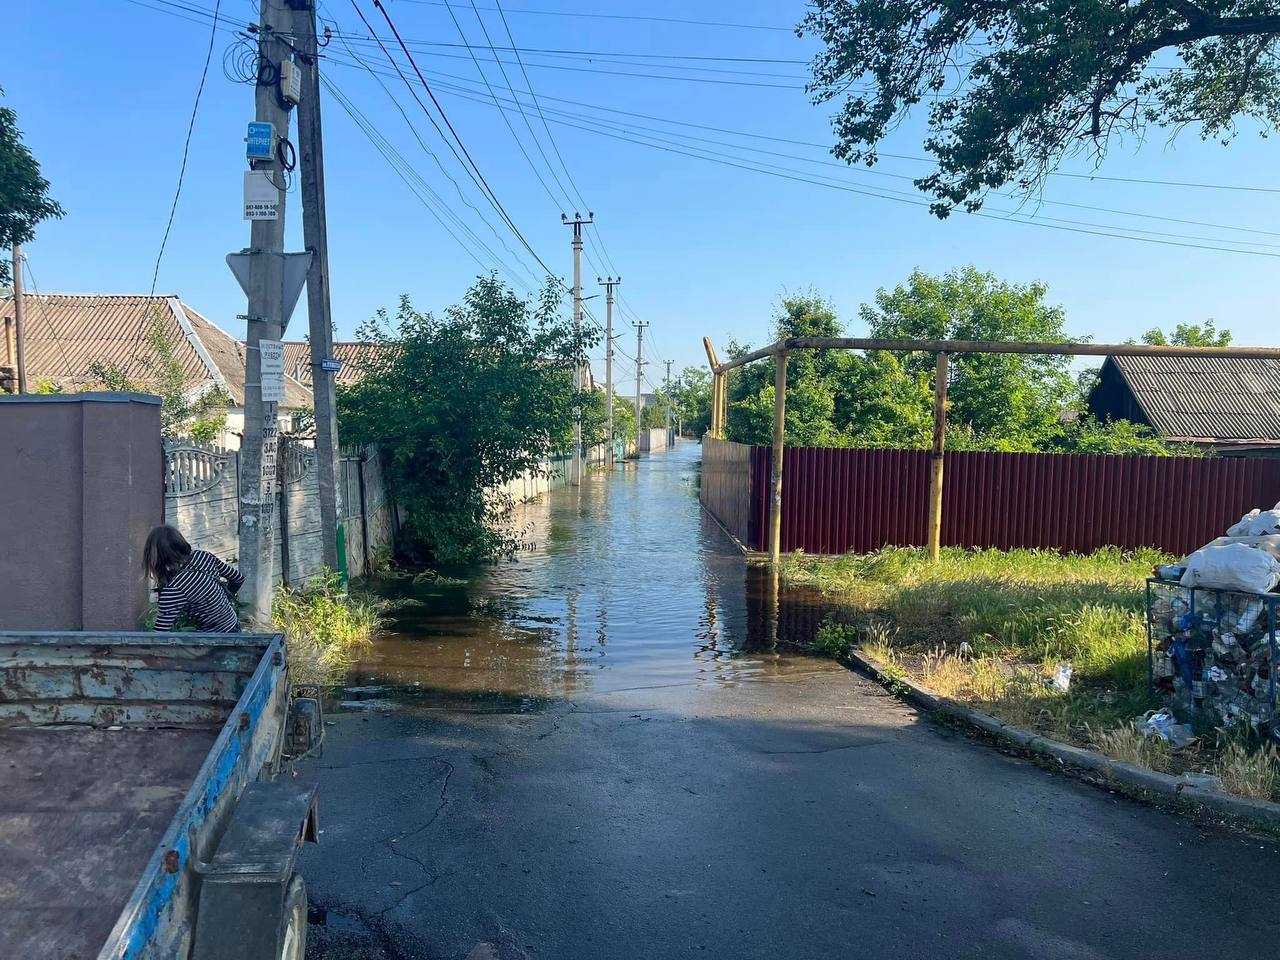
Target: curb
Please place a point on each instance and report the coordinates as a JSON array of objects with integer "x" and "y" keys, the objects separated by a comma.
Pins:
[{"x": 1125, "y": 775}]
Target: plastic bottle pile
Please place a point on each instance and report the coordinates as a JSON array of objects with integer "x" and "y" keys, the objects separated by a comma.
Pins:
[{"x": 1214, "y": 653}]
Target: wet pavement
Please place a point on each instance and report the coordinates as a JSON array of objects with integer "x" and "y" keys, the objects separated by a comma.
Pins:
[{"x": 596, "y": 752}]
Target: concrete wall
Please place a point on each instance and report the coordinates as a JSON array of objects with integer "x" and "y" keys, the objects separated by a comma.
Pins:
[
  {"x": 555, "y": 472},
  {"x": 201, "y": 501},
  {"x": 656, "y": 439},
  {"x": 81, "y": 484}
]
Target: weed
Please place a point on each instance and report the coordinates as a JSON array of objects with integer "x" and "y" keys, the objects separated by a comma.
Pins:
[
  {"x": 1129, "y": 744},
  {"x": 323, "y": 625},
  {"x": 834, "y": 640},
  {"x": 1249, "y": 772}
]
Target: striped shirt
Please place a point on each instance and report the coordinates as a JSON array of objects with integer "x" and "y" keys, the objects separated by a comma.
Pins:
[{"x": 198, "y": 591}]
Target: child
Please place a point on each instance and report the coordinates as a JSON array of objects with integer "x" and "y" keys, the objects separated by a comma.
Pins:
[{"x": 191, "y": 582}]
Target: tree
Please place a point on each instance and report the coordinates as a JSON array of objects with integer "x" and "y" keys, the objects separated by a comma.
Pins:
[
  {"x": 1189, "y": 335},
  {"x": 877, "y": 399},
  {"x": 24, "y": 193},
  {"x": 1014, "y": 86},
  {"x": 691, "y": 398},
  {"x": 197, "y": 415},
  {"x": 1013, "y": 400},
  {"x": 461, "y": 404}
]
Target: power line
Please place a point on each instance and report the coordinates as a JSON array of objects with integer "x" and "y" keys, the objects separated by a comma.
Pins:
[
  {"x": 407, "y": 174},
  {"x": 186, "y": 148},
  {"x": 474, "y": 170},
  {"x": 456, "y": 186},
  {"x": 525, "y": 11},
  {"x": 1072, "y": 226}
]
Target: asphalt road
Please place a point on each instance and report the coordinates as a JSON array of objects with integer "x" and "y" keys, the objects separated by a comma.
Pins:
[{"x": 516, "y": 775}]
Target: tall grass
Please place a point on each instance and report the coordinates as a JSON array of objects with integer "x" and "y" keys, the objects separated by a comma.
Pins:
[
  {"x": 1029, "y": 605},
  {"x": 324, "y": 625}
]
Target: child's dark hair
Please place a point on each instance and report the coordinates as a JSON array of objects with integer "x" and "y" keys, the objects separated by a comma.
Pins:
[{"x": 166, "y": 552}]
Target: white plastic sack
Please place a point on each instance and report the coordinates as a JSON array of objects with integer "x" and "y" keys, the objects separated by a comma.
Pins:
[
  {"x": 1241, "y": 527},
  {"x": 1256, "y": 523},
  {"x": 1233, "y": 566}
]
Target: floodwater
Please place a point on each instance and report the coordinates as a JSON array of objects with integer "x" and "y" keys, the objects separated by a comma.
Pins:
[
  {"x": 598, "y": 752},
  {"x": 623, "y": 584}
]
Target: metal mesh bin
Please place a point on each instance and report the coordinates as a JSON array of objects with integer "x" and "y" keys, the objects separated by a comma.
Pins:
[{"x": 1212, "y": 653}]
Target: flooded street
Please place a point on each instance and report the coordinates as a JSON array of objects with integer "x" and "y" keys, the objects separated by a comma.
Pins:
[
  {"x": 596, "y": 752},
  {"x": 625, "y": 584}
]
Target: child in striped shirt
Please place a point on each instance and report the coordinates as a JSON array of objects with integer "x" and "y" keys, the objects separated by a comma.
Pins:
[{"x": 194, "y": 582}]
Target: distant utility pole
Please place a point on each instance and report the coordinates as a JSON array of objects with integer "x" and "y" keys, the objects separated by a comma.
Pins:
[
  {"x": 265, "y": 321},
  {"x": 609, "y": 285},
  {"x": 667, "y": 389},
  {"x": 639, "y": 375},
  {"x": 19, "y": 329},
  {"x": 315, "y": 234},
  {"x": 575, "y": 474}
]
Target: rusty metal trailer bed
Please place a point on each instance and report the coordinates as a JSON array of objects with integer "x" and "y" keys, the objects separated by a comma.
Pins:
[{"x": 135, "y": 782}]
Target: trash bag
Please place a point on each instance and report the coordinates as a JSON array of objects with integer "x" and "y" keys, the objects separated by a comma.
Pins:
[
  {"x": 1233, "y": 566},
  {"x": 1161, "y": 723},
  {"x": 1241, "y": 527}
]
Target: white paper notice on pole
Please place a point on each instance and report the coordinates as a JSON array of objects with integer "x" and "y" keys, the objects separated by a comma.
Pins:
[
  {"x": 261, "y": 196},
  {"x": 272, "y": 370}
]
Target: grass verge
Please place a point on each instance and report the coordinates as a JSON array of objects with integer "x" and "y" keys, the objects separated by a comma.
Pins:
[
  {"x": 325, "y": 625},
  {"x": 989, "y": 628}
]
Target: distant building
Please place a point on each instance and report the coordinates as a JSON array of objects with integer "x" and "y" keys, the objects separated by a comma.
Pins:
[
  {"x": 66, "y": 334},
  {"x": 350, "y": 353},
  {"x": 1230, "y": 405}
]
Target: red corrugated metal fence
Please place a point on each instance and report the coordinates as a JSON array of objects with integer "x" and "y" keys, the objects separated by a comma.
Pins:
[{"x": 840, "y": 501}]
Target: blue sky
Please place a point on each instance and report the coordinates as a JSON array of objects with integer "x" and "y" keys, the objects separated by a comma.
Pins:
[{"x": 702, "y": 247}]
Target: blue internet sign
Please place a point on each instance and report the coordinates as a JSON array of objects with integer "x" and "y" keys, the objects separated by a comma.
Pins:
[{"x": 260, "y": 141}]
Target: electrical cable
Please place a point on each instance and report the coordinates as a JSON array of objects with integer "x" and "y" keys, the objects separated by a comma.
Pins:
[
  {"x": 405, "y": 171},
  {"x": 619, "y": 16},
  {"x": 44, "y": 315},
  {"x": 186, "y": 149},
  {"x": 478, "y": 176},
  {"x": 436, "y": 159}
]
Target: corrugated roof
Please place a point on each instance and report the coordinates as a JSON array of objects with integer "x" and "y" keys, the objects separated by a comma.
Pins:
[
  {"x": 1228, "y": 398},
  {"x": 297, "y": 359},
  {"x": 66, "y": 333}
]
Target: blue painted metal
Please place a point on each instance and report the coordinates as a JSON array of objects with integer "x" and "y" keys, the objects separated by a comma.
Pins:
[
  {"x": 158, "y": 916},
  {"x": 235, "y": 759}
]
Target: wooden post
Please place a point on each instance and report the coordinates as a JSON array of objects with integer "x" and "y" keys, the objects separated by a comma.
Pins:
[
  {"x": 935, "y": 458},
  {"x": 717, "y": 385},
  {"x": 19, "y": 327},
  {"x": 779, "y": 435}
]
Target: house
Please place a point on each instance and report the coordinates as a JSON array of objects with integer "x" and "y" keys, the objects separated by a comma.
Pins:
[
  {"x": 1230, "y": 405},
  {"x": 350, "y": 353},
  {"x": 66, "y": 335}
]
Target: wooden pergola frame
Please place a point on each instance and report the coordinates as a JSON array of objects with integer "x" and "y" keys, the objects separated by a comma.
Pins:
[{"x": 943, "y": 348}]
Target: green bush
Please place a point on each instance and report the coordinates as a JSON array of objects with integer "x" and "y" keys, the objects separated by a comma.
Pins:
[
  {"x": 324, "y": 625},
  {"x": 834, "y": 640}
]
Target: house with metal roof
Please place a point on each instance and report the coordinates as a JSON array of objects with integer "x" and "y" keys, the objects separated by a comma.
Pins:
[
  {"x": 68, "y": 335},
  {"x": 1230, "y": 405},
  {"x": 350, "y": 353}
]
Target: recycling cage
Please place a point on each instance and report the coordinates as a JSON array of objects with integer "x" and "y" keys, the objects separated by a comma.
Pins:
[{"x": 1206, "y": 653}]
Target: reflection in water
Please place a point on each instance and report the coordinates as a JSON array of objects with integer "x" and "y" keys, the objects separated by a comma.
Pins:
[{"x": 660, "y": 590}]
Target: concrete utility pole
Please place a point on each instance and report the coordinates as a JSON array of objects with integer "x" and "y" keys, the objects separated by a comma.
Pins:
[
  {"x": 609, "y": 285},
  {"x": 265, "y": 322},
  {"x": 639, "y": 376},
  {"x": 315, "y": 234},
  {"x": 19, "y": 330},
  {"x": 666, "y": 387},
  {"x": 575, "y": 473}
]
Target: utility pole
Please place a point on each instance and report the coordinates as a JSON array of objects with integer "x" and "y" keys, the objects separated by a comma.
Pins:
[
  {"x": 19, "y": 330},
  {"x": 315, "y": 234},
  {"x": 609, "y": 286},
  {"x": 666, "y": 387},
  {"x": 575, "y": 474},
  {"x": 265, "y": 321},
  {"x": 639, "y": 375}
]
